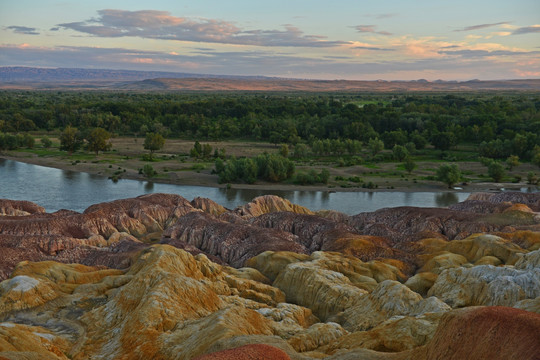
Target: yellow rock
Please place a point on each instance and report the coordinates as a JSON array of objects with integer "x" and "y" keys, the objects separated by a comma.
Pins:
[
  {"x": 270, "y": 203},
  {"x": 271, "y": 263},
  {"x": 421, "y": 282},
  {"x": 24, "y": 292},
  {"x": 30, "y": 342},
  {"x": 477, "y": 246},
  {"x": 397, "y": 334},
  {"x": 443, "y": 261},
  {"x": 488, "y": 260},
  {"x": 316, "y": 336},
  {"x": 390, "y": 298},
  {"x": 325, "y": 292}
]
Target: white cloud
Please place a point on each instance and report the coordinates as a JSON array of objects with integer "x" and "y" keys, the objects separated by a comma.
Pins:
[{"x": 154, "y": 24}]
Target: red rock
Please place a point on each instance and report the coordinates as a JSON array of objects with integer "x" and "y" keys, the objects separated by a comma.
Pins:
[
  {"x": 248, "y": 352},
  {"x": 491, "y": 333},
  {"x": 232, "y": 243}
]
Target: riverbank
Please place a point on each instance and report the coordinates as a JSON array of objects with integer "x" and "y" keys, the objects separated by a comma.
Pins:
[
  {"x": 186, "y": 176},
  {"x": 173, "y": 165}
]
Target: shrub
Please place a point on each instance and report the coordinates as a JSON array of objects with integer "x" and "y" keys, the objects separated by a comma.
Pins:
[{"x": 148, "y": 171}]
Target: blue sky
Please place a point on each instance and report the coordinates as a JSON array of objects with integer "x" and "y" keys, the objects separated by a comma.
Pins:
[{"x": 342, "y": 39}]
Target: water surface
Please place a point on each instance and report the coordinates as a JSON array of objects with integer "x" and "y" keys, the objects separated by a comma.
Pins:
[{"x": 56, "y": 189}]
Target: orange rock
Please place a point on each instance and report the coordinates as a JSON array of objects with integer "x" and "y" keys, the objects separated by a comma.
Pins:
[
  {"x": 248, "y": 352},
  {"x": 518, "y": 207}
]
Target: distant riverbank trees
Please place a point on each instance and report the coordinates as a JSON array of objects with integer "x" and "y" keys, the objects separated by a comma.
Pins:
[
  {"x": 268, "y": 167},
  {"x": 498, "y": 125}
]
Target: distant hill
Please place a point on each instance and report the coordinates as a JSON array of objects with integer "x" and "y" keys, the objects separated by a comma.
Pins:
[
  {"x": 216, "y": 84},
  {"x": 99, "y": 79},
  {"x": 23, "y": 74}
]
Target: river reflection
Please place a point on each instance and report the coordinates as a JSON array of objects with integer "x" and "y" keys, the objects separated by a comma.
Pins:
[
  {"x": 60, "y": 189},
  {"x": 446, "y": 199}
]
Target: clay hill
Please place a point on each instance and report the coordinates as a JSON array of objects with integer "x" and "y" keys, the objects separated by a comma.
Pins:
[
  {"x": 29, "y": 78},
  {"x": 162, "y": 277}
]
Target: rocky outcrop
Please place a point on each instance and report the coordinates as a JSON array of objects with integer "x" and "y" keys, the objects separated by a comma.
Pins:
[
  {"x": 498, "y": 333},
  {"x": 248, "y": 352},
  {"x": 389, "y": 299},
  {"x": 406, "y": 224},
  {"x": 19, "y": 208},
  {"x": 234, "y": 243},
  {"x": 320, "y": 234},
  {"x": 269, "y": 204},
  {"x": 531, "y": 200},
  {"x": 226, "y": 284},
  {"x": 169, "y": 304},
  {"x": 105, "y": 234},
  {"x": 208, "y": 206},
  {"x": 486, "y": 285}
]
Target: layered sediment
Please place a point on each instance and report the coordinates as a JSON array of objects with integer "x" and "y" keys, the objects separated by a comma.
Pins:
[{"x": 162, "y": 277}]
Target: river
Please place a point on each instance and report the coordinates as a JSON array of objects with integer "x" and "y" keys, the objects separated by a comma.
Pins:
[{"x": 56, "y": 189}]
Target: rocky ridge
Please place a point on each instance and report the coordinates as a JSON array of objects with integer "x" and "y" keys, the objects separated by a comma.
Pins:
[{"x": 162, "y": 277}]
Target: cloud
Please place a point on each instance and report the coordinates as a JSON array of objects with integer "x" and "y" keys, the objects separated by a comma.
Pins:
[
  {"x": 162, "y": 25},
  {"x": 482, "y": 26},
  {"x": 370, "y": 29},
  {"x": 484, "y": 53},
  {"x": 372, "y": 48},
  {"x": 265, "y": 61},
  {"x": 527, "y": 30},
  {"x": 381, "y": 16},
  {"x": 22, "y": 30}
]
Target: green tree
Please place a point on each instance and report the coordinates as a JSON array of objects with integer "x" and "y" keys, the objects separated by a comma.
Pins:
[
  {"x": 536, "y": 156},
  {"x": 206, "y": 150},
  {"x": 46, "y": 142},
  {"x": 284, "y": 151},
  {"x": 443, "y": 140},
  {"x": 153, "y": 142},
  {"x": 324, "y": 175},
  {"x": 409, "y": 164},
  {"x": 496, "y": 171},
  {"x": 98, "y": 140},
  {"x": 70, "y": 140},
  {"x": 419, "y": 141},
  {"x": 375, "y": 146},
  {"x": 300, "y": 151},
  {"x": 148, "y": 171},
  {"x": 512, "y": 161},
  {"x": 532, "y": 179},
  {"x": 400, "y": 152},
  {"x": 448, "y": 174},
  {"x": 28, "y": 141}
]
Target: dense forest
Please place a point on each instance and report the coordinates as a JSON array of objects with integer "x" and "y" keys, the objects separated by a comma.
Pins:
[{"x": 500, "y": 125}]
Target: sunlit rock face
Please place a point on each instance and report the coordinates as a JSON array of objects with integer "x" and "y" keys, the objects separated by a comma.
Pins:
[
  {"x": 161, "y": 277},
  {"x": 19, "y": 208}
]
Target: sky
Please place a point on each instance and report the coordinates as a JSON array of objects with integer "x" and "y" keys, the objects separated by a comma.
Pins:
[{"x": 309, "y": 39}]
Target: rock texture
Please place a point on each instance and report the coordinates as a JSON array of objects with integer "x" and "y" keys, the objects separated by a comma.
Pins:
[
  {"x": 484, "y": 333},
  {"x": 248, "y": 352},
  {"x": 161, "y": 277}
]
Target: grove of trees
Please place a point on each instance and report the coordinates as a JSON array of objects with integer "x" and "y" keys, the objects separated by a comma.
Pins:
[{"x": 500, "y": 125}]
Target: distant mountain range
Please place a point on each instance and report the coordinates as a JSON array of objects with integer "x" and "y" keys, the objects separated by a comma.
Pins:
[
  {"x": 28, "y": 78},
  {"x": 21, "y": 74}
]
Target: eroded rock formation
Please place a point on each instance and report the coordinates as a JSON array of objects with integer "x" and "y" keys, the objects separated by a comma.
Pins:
[{"x": 162, "y": 277}]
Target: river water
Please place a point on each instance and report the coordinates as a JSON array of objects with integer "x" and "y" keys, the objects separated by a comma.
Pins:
[{"x": 56, "y": 189}]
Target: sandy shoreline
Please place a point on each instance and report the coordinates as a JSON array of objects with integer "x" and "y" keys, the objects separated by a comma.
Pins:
[{"x": 206, "y": 180}]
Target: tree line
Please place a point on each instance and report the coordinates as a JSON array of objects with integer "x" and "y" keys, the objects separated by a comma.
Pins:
[{"x": 500, "y": 125}]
